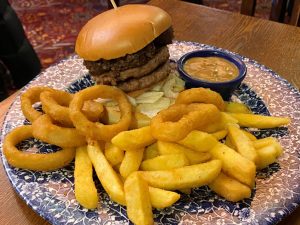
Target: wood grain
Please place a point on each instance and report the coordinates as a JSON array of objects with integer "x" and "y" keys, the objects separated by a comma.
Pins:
[
  {"x": 5, "y": 104},
  {"x": 272, "y": 44}
]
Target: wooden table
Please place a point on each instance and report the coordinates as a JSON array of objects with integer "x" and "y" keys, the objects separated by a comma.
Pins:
[{"x": 272, "y": 44}]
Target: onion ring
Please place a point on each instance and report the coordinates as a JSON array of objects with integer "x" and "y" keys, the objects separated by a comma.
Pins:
[
  {"x": 97, "y": 130},
  {"x": 30, "y": 97},
  {"x": 56, "y": 105},
  {"x": 177, "y": 121},
  {"x": 33, "y": 161},
  {"x": 45, "y": 130},
  {"x": 200, "y": 95}
]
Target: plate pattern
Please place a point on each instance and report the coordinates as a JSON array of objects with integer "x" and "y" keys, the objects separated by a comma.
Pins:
[{"x": 277, "y": 191}]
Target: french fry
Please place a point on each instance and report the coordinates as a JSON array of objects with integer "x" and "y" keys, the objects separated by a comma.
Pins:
[
  {"x": 221, "y": 124},
  {"x": 268, "y": 141},
  {"x": 199, "y": 141},
  {"x": 184, "y": 177},
  {"x": 113, "y": 154},
  {"x": 139, "y": 209},
  {"x": 131, "y": 162},
  {"x": 151, "y": 151},
  {"x": 139, "y": 120},
  {"x": 236, "y": 107},
  {"x": 234, "y": 164},
  {"x": 142, "y": 120},
  {"x": 260, "y": 121},
  {"x": 230, "y": 188},
  {"x": 229, "y": 143},
  {"x": 117, "y": 168},
  {"x": 214, "y": 126},
  {"x": 249, "y": 135},
  {"x": 134, "y": 139},
  {"x": 242, "y": 143},
  {"x": 194, "y": 157},
  {"x": 219, "y": 135},
  {"x": 266, "y": 156},
  {"x": 161, "y": 198},
  {"x": 186, "y": 191},
  {"x": 165, "y": 162},
  {"x": 228, "y": 119},
  {"x": 109, "y": 179},
  {"x": 85, "y": 189},
  {"x": 112, "y": 115}
]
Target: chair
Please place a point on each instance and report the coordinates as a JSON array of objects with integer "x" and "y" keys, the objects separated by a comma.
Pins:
[
  {"x": 278, "y": 10},
  {"x": 248, "y": 7},
  {"x": 195, "y": 1},
  {"x": 295, "y": 16}
]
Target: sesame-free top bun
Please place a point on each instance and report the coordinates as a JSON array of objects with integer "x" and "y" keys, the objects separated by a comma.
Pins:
[{"x": 121, "y": 31}]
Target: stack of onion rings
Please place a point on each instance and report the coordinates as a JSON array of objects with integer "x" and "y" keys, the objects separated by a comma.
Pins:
[
  {"x": 97, "y": 130},
  {"x": 177, "y": 121},
  {"x": 33, "y": 161},
  {"x": 200, "y": 95},
  {"x": 56, "y": 105}
]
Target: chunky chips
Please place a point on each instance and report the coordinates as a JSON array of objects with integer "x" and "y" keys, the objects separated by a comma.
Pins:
[
  {"x": 140, "y": 161},
  {"x": 85, "y": 189}
]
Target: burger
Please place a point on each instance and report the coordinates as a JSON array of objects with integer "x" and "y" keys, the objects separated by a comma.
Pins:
[{"x": 127, "y": 46}]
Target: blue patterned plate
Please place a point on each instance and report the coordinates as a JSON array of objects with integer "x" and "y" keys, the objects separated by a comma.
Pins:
[{"x": 277, "y": 191}]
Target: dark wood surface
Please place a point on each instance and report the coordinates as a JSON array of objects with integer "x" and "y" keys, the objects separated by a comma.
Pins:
[{"x": 272, "y": 44}]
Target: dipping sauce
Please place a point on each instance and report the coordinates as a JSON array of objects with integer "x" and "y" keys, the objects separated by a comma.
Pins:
[{"x": 213, "y": 69}]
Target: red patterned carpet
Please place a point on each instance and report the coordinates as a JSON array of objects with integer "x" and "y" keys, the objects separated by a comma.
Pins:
[{"x": 52, "y": 25}]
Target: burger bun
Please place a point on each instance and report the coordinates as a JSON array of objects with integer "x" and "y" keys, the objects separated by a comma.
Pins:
[{"x": 121, "y": 31}]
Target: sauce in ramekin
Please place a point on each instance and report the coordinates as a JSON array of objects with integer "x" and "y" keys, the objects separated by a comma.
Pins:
[{"x": 213, "y": 69}]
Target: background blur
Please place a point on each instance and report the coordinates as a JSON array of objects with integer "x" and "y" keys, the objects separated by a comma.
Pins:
[{"x": 52, "y": 25}]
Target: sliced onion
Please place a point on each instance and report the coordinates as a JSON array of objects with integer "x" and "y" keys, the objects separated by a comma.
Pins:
[{"x": 149, "y": 97}]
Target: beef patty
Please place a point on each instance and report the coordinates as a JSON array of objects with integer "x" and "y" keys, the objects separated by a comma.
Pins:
[
  {"x": 137, "y": 70},
  {"x": 113, "y": 77},
  {"x": 152, "y": 78}
]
